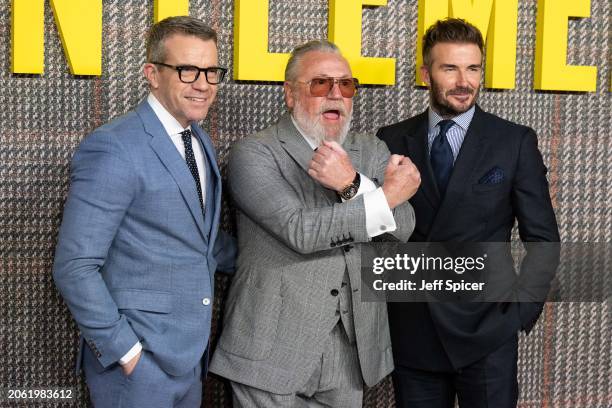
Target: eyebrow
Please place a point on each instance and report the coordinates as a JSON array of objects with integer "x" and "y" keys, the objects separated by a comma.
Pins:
[{"x": 456, "y": 66}]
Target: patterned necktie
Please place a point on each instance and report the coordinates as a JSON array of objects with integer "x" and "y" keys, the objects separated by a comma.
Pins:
[
  {"x": 191, "y": 163},
  {"x": 442, "y": 157}
]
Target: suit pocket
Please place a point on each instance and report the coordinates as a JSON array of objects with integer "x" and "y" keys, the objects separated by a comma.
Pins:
[
  {"x": 147, "y": 311},
  {"x": 483, "y": 188},
  {"x": 251, "y": 322},
  {"x": 145, "y": 300}
]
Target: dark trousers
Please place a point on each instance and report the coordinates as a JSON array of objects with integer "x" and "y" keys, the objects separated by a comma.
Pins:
[{"x": 488, "y": 383}]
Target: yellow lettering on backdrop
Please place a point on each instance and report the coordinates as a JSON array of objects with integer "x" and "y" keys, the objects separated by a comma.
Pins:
[
  {"x": 344, "y": 29},
  {"x": 79, "y": 23},
  {"x": 430, "y": 11},
  {"x": 477, "y": 12},
  {"x": 170, "y": 8},
  {"x": 27, "y": 36},
  {"x": 551, "y": 69},
  {"x": 497, "y": 21},
  {"x": 501, "y": 45},
  {"x": 252, "y": 61}
]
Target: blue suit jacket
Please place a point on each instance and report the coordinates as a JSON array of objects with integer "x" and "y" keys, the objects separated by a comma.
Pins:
[{"x": 136, "y": 257}]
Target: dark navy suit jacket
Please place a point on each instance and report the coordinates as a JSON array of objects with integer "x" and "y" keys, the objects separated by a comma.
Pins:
[{"x": 498, "y": 178}]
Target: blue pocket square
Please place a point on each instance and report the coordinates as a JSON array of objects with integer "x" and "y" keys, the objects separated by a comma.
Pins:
[{"x": 493, "y": 176}]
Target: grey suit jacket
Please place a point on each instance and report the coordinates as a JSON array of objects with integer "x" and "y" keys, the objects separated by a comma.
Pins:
[{"x": 295, "y": 243}]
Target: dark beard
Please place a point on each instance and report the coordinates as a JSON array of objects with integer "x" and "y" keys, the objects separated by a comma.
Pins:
[{"x": 443, "y": 108}]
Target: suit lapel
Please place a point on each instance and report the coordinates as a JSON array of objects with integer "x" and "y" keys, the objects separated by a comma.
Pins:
[
  {"x": 214, "y": 182},
  {"x": 294, "y": 144},
  {"x": 214, "y": 178},
  {"x": 353, "y": 149},
  {"x": 471, "y": 153},
  {"x": 417, "y": 146},
  {"x": 172, "y": 160}
]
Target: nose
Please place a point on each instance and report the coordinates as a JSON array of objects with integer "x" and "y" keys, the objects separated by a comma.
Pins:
[
  {"x": 334, "y": 92},
  {"x": 462, "y": 79},
  {"x": 201, "y": 84}
]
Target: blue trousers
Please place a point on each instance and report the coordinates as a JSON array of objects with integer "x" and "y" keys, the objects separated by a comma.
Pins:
[{"x": 147, "y": 386}]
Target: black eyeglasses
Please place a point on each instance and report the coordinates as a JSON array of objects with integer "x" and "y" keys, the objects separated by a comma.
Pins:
[
  {"x": 323, "y": 85},
  {"x": 190, "y": 73}
]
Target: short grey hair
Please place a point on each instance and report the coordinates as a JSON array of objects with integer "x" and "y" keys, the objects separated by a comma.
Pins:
[
  {"x": 293, "y": 65},
  {"x": 164, "y": 29}
]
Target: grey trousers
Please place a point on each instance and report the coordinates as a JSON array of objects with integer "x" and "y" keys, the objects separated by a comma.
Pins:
[{"x": 335, "y": 382}]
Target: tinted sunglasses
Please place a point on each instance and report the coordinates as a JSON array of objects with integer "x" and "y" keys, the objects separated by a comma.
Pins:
[{"x": 322, "y": 86}]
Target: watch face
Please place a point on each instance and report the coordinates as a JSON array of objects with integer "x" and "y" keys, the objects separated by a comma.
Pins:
[{"x": 350, "y": 192}]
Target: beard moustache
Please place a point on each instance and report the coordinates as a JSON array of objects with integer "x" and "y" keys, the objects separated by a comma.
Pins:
[
  {"x": 443, "y": 107},
  {"x": 314, "y": 129}
]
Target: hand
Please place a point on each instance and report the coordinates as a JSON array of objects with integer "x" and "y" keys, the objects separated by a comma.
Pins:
[
  {"x": 402, "y": 179},
  {"x": 131, "y": 365},
  {"x": 331, "y": 166}
]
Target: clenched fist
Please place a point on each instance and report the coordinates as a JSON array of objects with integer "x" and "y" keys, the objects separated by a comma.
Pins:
[
  {"x": 402, "y": 179},
  {"x": 331, "y": 166}
]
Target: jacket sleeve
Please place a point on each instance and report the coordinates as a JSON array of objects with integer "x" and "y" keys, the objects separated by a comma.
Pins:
[
  {"x": 537, "y": 229},
  {"x": 261, "y": 192},
  {"x": 403, "y": 213},
  {"x": 102, "y": 188}
]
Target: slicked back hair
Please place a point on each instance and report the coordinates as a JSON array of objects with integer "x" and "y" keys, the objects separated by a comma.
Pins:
[
  {"x": 164, "y": 29},
  {"x": 293, "y": 65},
  {"x": 450, "y": 30}
]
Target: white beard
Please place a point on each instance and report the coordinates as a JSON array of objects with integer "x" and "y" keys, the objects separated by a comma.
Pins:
[{"x": 315, "y": 130}]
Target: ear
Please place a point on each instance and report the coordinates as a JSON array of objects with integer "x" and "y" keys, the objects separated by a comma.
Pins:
[
  {"x": 289, "y": 96},
  {"x": 425, "y": 75},
  {"x": 151, "y": 74}
]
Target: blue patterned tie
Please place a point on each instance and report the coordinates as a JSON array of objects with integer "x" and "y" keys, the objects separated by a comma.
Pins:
[
  {"x": 191, "y": 163},
  {"x": 442, "y": 157}
]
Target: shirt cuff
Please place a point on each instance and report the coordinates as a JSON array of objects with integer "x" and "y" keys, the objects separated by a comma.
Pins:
[
  {"x": 379, "y": 218},
  {"x": 365, "y": 185},
  {"x": 131, "y": 354}
]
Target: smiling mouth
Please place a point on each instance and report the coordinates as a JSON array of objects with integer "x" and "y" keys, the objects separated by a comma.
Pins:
[{"x": 194, "y": 99}]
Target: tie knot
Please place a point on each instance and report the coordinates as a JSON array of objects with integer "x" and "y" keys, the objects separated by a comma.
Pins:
[{"x": 445, "y": 125}]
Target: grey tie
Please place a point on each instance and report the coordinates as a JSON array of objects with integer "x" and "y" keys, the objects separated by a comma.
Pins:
[{"x": 191, "y": 163}]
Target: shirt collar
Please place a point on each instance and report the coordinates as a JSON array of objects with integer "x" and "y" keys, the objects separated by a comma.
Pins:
[
  {"x": 463, "y": 120},
  {"x": 169, "y": 122},
  {"x": 308, "y": 139}
]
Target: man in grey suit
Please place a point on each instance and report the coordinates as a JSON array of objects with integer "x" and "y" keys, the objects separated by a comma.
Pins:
[
  {"x": 308, "y": 197},
  {"x": 139, "y": 242}
]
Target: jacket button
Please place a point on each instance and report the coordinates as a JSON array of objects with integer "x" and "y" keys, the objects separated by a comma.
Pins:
[
  {"x": 206, "y": 301},
  {"x": 334, "y": 292}
]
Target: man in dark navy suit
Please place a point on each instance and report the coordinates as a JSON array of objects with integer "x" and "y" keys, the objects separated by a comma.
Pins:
[{"x": 479, "y": 174}]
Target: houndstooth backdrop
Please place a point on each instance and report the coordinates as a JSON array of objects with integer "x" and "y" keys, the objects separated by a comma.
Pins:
[{"x": 565, "y": 362}]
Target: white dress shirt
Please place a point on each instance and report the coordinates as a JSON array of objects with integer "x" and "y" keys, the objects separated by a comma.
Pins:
[{"x": 379, "y": 218}]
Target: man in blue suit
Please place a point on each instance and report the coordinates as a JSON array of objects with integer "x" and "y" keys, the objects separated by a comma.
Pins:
[{"x": 139, "y": 242}]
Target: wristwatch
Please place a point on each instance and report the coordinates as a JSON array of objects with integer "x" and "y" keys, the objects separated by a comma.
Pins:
[{"x": 350, "y": 190}]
